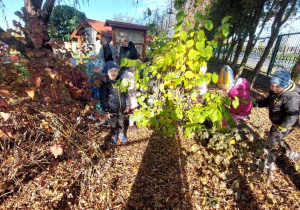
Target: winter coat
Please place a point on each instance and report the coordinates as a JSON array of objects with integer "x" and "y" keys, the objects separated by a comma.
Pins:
[
  {"x": 111, "y": 98},
  {"x": 114, "y": 53},
  {"x": 132, "y": 92},
  {"x": 242, "y": 90},
  {"x": 283, "y": 107},
  {"x": 128, "y": 52}
]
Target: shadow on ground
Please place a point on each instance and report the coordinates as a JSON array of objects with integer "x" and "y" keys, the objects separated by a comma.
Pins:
[{"x": 161, "y": 180}]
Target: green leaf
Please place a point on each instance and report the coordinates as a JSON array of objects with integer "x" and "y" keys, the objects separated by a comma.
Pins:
[
  {"x": 148, "y": 12},
  {"x": 189, "y": 74},
  {"x": 235, "y": 103},
  {"x": 167, "y": 61},
  {"x": 191, "y": 33},
  {"x": 215, "y": 77},
  {"x": 178, "y": 26},
  {"x": 180, "y": 47},
  {"x": 199, "y": 17},
  {"x": 124, "y": 61},
  {"x": 190, "y": 43},
  {"x": 200, "y": 35},
  {"x": 151, "y": 26},
  {"x": 225, "y": 31},
  {"x": 200, "y": 45},
  {"x": 183, "y": 36},
  {"x": 225, "y": 19},
  {"x": 208, "y": 24},
  {"x": 188, "y": 22},
  {"x": 180, "y": 16},
  {"x": 192, "y": 54},
  {"x": 178, "y": 4}
]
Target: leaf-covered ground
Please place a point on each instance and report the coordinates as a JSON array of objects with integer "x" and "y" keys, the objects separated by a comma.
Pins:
[{"x": 148, "y": 172}]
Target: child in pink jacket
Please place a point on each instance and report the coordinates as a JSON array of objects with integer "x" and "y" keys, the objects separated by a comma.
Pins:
[{"x": 241, "y": 89}]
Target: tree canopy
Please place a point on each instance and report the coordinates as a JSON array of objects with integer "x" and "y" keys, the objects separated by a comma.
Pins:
[{"x": 63, "y": 21}]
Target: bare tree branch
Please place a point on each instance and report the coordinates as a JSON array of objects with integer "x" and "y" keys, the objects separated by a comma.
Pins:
[{"x": 12, "y": 41}]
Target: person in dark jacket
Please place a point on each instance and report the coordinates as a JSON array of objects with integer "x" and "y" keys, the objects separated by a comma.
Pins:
[
  {"x": 113, "y": 102},
  {"x": 127, "y": 50},
  {"x": 283, "y": 102},
  {"x": 107, "y": 52}
]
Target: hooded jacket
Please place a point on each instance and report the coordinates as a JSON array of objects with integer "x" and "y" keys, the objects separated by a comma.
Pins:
[
  {"x": 111, "y": 97},
  {"x": 283, "y": 107},
  {"x": 128, "y": 52},
  {"x": 242, "y": 90}
]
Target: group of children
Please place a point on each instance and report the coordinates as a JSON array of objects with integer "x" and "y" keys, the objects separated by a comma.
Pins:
[{"x": 283, "y": 101}]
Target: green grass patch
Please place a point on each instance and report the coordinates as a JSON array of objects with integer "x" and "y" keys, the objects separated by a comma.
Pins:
[{"x": 85, "y": 58}]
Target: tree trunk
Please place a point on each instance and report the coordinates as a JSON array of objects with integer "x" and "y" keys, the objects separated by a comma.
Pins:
[
  {"x": 280, "y": 18},
  {"x": 238, "y": 51},
  {"x": 264, "y": 56},
  {"x": 230, "y": 50},
  {"x": 36, "y": 15},
  {"x": 248, "y": 51},
  {"x": 296, "y": 72}
]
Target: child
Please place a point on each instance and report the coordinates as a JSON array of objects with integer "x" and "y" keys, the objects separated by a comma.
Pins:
[
  {"x": 113, "y": 102},
  {"x": 283, "y": 102},
  {"x": 94, "y": 70},
  {"x": 129, "y": 74},
  {"x": 241, "y": 89}
]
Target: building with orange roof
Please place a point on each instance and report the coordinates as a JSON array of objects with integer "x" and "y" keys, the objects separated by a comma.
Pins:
[{"x": 89, "y": 31}]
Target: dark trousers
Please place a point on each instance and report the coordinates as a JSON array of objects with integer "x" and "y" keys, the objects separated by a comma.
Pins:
[
  {"x": 276, "y": 138},
  {"x": 117, "y": 124}
]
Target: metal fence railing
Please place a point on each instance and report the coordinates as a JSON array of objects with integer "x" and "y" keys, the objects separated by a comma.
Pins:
[{"x": 284, "y": 53}]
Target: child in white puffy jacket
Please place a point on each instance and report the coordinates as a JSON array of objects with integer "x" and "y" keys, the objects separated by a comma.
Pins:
[{"x": 129, "y": 74}]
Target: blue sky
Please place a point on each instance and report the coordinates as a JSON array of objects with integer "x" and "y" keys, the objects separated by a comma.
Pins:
[{"x": 95, "y": 9}]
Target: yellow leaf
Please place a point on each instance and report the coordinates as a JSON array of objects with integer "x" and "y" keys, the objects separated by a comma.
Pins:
[
  {"x": 10, "y": 160},
  {"x": 193, "y": 148},
  {"x": 2, "y": 133},
  {"x": 232, "y": 141},
  {"x": 30, "y": 92},
  {"x": 5, "y": 116}
]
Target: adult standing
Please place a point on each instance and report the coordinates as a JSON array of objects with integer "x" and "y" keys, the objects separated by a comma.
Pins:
[
  {"x": 127, "y": 50},
  {"x": 108, "y": 52}
]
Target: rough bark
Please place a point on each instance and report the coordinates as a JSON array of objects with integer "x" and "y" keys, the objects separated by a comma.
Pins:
[{"x": 35, "y": 14}]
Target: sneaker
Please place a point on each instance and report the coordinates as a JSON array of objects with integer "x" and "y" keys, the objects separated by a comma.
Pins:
[
  {"x": 91, "y": 117},
  {"x": 292, "y": 155},
  {"x": 114, "y": 139},
  {"x": 122, "y": 137},
  {"x": 98, "y": 122},
  {"x": 106, "y": 122}
]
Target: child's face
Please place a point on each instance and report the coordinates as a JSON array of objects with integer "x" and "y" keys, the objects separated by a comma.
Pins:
[
  {"x": 276, "y": 88},
  {"x": 113, "y": 73}
]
